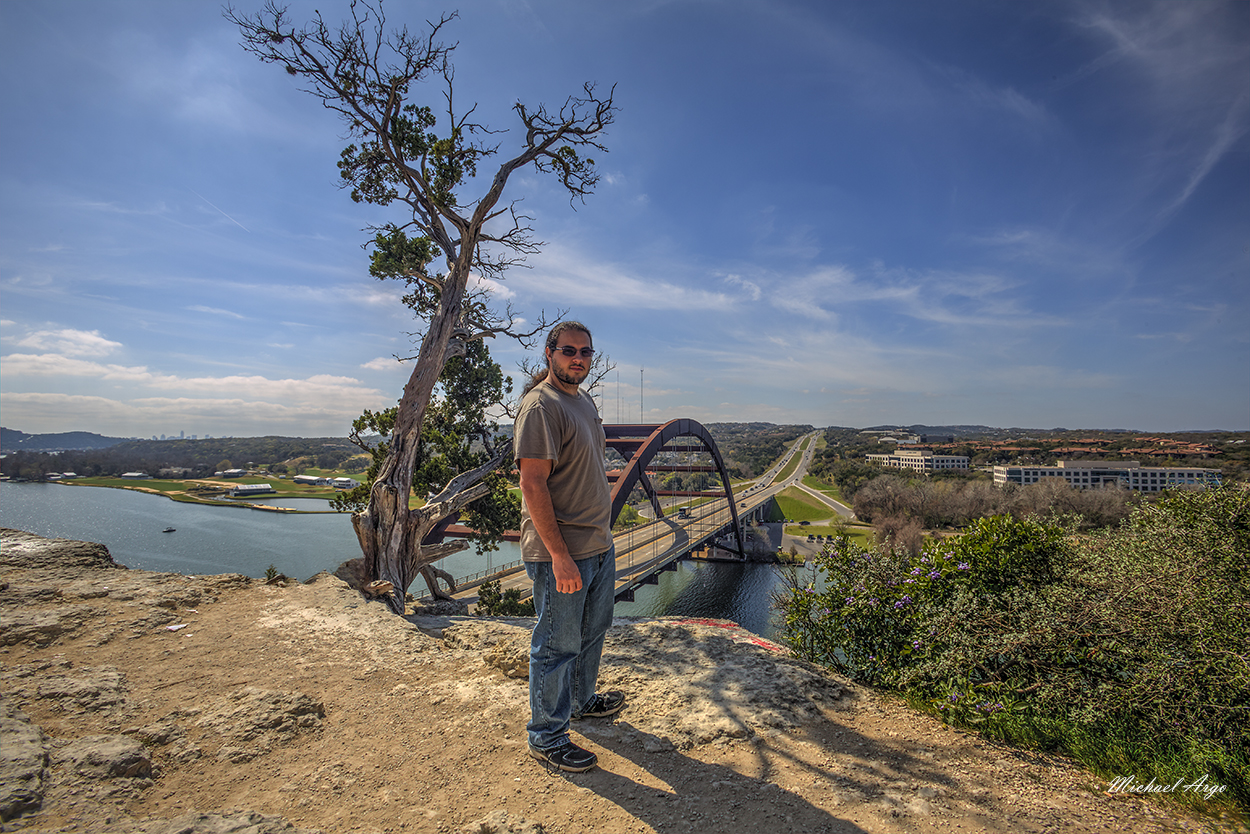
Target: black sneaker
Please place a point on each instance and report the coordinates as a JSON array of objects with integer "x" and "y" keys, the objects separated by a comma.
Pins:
[
  {"x": 567, "y": 757},
  {"x": 603, "y": 705}
]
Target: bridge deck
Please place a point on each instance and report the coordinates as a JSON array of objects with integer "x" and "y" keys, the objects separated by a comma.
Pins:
[
  {"x": 643, "y": 550},
  {"x": 646, "y": 549}
]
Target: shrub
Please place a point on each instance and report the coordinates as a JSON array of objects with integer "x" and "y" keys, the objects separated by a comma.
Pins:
[
  {"x": 492, "y": 603},
  {"x": 1127, "y": 643}
]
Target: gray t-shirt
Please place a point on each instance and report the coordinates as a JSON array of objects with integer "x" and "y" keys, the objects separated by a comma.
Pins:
[{"x": 566, "y": 429}]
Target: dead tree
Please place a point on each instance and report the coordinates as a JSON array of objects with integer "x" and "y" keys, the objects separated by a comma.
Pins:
[{"x": 404, "y": 154}]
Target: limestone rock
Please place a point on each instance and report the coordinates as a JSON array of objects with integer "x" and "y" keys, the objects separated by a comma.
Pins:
[
  {"x": 104, "y": 757},
  {"x": 27, "y": 550},
  {"x": 441, "y": 608},
  {"x": 23, "y": 762},
  {"x": 501, "y": 822},
  {"x": 504, "y": 646},
  {"x": 250, "y": 720},
  {"x": 719, "y": 682},
  {"x": 38, "y": 628},
  {"x": 245, "y": 822},
  {"x": 91, "y": 688},
  {"x": 512, "y": 658},
  {"x": 158, "y": 733}
]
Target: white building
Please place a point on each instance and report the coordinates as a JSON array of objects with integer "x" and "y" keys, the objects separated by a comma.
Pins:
[
  {"x": 311, "y": 480},
  {"x": 344, "y": 483},
  {"x": 920, "y": 460},
  {"x": 1084, "y": 474},
  {"x": 250, "y": 489}
]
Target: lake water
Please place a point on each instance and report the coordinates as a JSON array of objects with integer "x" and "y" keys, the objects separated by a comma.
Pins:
[{"x": 210, "y": 540}]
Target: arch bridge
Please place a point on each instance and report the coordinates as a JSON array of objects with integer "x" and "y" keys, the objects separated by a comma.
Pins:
[
  {"x": 647, "y": 549},
  {"x": 640, "y": 443}
]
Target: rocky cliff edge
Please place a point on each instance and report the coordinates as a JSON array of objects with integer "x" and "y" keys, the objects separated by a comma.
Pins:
[{"x": 133, "y": 701}]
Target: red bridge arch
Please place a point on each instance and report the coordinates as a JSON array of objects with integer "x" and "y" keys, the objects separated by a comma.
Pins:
[{"x": 640, "y": 443}]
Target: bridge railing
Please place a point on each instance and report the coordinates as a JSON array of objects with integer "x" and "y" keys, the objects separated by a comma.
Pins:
[{"x": 473, "y": 578}]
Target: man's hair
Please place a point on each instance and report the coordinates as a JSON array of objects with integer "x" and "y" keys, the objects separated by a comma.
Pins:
[{"x": 553, "y": 340}]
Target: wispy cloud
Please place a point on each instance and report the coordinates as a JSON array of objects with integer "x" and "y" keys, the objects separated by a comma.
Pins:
[
  {"x": 226, "y": 415},
  {"x": 957, "y": 299},
  {"x": 69, "y": 342},
  {"x": 1234, "y": 126},
  {"x": 383, "y": 363},
  {"x": 980, "y": 94},
  {"x": 252, "y": 387},
  {"x": 1193, "y": 64},
  {"x": 752, "y": 289},
  {"x": 216, "y": 311},
  {"x": 564, "y": 276}
]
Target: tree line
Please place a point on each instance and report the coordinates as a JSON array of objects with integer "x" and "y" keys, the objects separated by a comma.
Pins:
[
  {"x": 750, "y": 448},
  {"x": 946, "y": 503},
  {"x": 189, "y": 458}
]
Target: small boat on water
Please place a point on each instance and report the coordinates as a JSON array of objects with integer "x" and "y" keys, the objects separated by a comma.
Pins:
[{"x": 168, "y": 530}]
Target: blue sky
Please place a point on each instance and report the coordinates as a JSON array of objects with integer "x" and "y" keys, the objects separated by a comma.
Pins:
[{"x": 1011, "y": 214}]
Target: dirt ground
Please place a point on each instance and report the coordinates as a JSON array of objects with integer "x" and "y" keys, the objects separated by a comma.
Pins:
[{"x": 162, "y": 703}]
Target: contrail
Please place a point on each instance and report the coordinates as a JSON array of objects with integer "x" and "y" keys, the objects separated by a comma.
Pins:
[{"x": 223, "y": 214}]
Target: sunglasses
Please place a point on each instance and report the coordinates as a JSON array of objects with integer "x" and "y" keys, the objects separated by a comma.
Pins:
[{"x": 569, "y": 350}]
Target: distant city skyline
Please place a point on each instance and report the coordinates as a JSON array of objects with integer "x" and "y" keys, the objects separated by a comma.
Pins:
[{"x": 833, "y": 214}]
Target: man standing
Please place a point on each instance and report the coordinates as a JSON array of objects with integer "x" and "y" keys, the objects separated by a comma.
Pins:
[{"x": 566, "y": 542}]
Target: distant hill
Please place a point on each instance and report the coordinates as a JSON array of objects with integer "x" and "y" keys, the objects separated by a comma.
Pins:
[
  {"x": 956, "y": 431},
  {"x": 12, "y": 440}
]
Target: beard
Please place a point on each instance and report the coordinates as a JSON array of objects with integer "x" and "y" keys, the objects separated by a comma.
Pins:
[{"x": 569, "y": 377}]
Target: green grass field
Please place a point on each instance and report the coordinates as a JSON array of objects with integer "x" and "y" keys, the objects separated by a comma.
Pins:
[
  {"x": 799, "y": 506},
  {"x": 207, "y": 490},
  {"x": 788, "y": 469},
  {"x": 820, "y": 486}
]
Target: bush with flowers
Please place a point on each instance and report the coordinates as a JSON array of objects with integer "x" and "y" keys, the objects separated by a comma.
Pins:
[{"x": 1128, "y": 647}]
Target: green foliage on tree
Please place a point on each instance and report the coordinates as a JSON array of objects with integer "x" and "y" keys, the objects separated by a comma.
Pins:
[
  {"x": 458, "y": 435},
  {"x": 1128, "y": 647},
  {"x": 627, "y": 518},
  {"x": 492, "y": 603}
]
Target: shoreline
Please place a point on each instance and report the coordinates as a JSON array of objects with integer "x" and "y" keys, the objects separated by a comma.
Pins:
[{"x": 183, "y": 497}]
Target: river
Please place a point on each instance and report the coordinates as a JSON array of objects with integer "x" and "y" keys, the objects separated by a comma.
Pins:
[{"x": 210, "y": 540}]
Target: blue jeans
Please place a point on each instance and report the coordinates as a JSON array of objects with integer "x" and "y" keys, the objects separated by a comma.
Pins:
[{"x": 567, "y": 645}]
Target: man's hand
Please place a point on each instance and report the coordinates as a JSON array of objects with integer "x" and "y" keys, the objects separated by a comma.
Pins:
[{"x": 568, "y": 577}]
